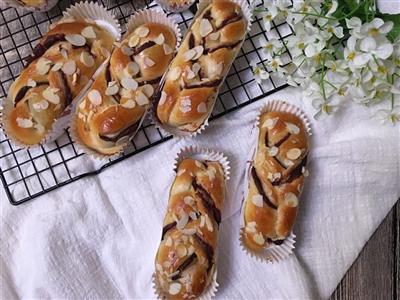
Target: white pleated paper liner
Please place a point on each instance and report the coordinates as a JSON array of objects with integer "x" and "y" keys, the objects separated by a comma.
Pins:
[
  {"x": 174, "y": 131},
  {"x": 90, "y": 12},
  {"x": 139, "y": 18},
  {"x": 271, "y": 253},
  {"x": 177, "y": 6},
  {"x": 46, "y": 6}
]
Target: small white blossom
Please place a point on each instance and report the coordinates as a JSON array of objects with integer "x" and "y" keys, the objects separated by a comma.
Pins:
[
  {"x": 388, "y": 116},
  {"x": 260, "y": 75}
]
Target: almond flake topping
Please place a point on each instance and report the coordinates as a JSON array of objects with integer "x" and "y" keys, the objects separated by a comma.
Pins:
[
  {"x": 189, "y": 73},
  {"x": 132, "y": 68},
  {"x": 257, "y": 200},
  {"x": 64, "y": 53},
  {"x": 75, "y": 39},
  {"x": 291, "y": 199},
  {"x": 188, "y": 200},
  {"x": 274, "y": 176},
  {"x": 148, "y": 90},
  {"x": 163, "y": 98},
  {"x": 251, "y": 227},
  {"x": 160, "y": 39},
  {"x": 175, "y": 73},
  {"x": 202, "y": 108},
  {"x": 205, "y": 27},
  {"x": 142, "y": 31},
  {"x": 129, "y": 83},
  {"x": 133, "y": 41},
  {"x": 175, "y": 288},
  {"x": 148, "y": 62},
  {"x": 196, "y": 68},
  {"x": 305, "y": 172},
  {"x": 214, "y": 36},
  {"x": 188, "y": 55},
  {"x": 294, "y": 129},
  {"x": 94, "y": 97},
  {"x": 168, "y": 242},
  {"x": 43, "y": 66},
  {"x": 259, "y": 239},
  {"x": 181, "y": 251},
  {"x": 189, "y": 231},
  {"x": 69, "y": 67},
  {"x": 50, "y": 95},
  {"x": 130, "y": 103},
  {"x": 24, "y": 123},
  {"x": 202, "y": 221},
  {"x": 112, "y": 88},
  {"x": 41, "y": 105},
  {"x": 182, "y": 221},
  {"x": 293, "y": 153},
  {"x": 31, "y": 82},
  {"x": 167, "y": 49},
  {"x": 87, "y": 59},
  {"x": 209, "y": 224},
  {"x": 272, "y": 151},
  {"x": 126, "y": 50},
  {"x": 185, "y": 105},
  {"x": 141, "y": 99},
  {"x": 199, "y": 51},
  {"x": 193, "y": 215},
  {"x": 88, "y": 32},
  {"x": 57, "y": 66},
  {"x": 288, "y": 163},
  {"x": 270, "y": 123}
]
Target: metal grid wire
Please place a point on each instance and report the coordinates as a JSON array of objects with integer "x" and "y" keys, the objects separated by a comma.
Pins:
[{"x": 26, "y": 174}]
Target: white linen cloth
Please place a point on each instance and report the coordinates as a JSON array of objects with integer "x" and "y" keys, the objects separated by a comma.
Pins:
[{"x": 97, "y": 237}]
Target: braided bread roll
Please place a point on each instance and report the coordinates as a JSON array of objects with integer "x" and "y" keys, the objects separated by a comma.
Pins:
[
  {"x": 185, "y": 261},
  {"x": 59, "y": 68},
  {"x": 276, "y": 180},
  {"x": 197, "y": 71},
  {"x": 112, "y": 110}
]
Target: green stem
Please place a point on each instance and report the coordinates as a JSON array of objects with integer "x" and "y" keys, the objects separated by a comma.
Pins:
[
  {"x": 314, "y": 15},
  {"x": 326, "y": 81}
]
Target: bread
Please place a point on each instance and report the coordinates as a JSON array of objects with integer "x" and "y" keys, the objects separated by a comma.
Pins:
[
  {"x": 59, "y": 68},
  {"x": 275, "y": 180},
  {"x": 112, "y": 111},
  {"x": 204, "y": 58},
  {"x": 185, "y": 261}
]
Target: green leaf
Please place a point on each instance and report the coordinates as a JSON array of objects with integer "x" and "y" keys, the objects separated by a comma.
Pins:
[{"x": 394, "y": 34}]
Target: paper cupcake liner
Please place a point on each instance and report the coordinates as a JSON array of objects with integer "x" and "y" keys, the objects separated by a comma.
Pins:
[
  {"x": 209, "y": 155},
  {"x": 139, "y": 18},
  {"x": 272, "y": 253},
  {"x": 49, "y": 4},
  {"x": 91, "y": 12},
  {"x": 176, "y": 132},
  {"x": 175, "y": 8}
]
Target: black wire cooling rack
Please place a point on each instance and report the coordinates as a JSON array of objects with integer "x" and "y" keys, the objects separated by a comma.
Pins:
[{"x": 26, "y": 174}]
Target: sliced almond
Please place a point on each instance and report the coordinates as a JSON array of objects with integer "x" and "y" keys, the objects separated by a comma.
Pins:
[
  {"x": 148, "y": 90},
  {"x": 31, "y": 82},
  {"x": 126, "y": 50},
  {"x": 64, "y": 53},
  {"x": 129, "y": 83},
  {"x": 43, "y": 66},
  {"x": 163, "y": 98},
  {"x": 75, "y": 39},
  {"x": 174, "y": 288},
  {"x": 182, "y": 221},
  {"x": 214, "y": 36},
  {"x": 257, "y": 200},
  {"x": 188, "y": 200},
  {"x": 189, "y": 231},
  {"x": 24, "y": 123},
  {"x": 57, "y": 67},
  {"x": 50, "y": 95},
  {"x": 148, "y": 62},
  {"x": 69, "y": 67},
  {"x": 133, "y": 41},
  {"x": 189, "y": 73},
  {"x": 251, "y": 227},
  {"x": 130, "y": 103},
  {"x": 202, "y": 108},
  {"x": 160, "y": 39},
  {"x": 293, "y": 153},
  {"x": 112, "y": 88},
  {"x": 259, "y": 239},
  {"x": 199, "y": 51},
  {"x": 188, "y": 55},
  {"x": 202, "y": 221},
  {"x": 88, "y": 32},
  {"x": 181, "y": 251},
  {"x": 41, "y": 105},
  {"x": 185, "y": 105},
  {"x": 168, "y": 242},
  {"x": 270, "y": 123},
  {"x": 167, "y": 49},
  {"x": 142, "y": 31},
  {"x": 175, "y": 73},
  {"x": 75, "y": 77},
  {"x": 132, "y": 68},
  {"x": 209, "y": 224},
  {"x": 272, "y": 151},
  {"x": 105, "y": 52},
  {"x": 196, "y": 68},
  {"x": 294, "y": 129},
  {"x": 305, "y": 172},
  {"x": 141, "y": 99},
  {"x": 193, "y": 215},
  {"x": 87, "y": 59},
  {"x": 291, "y": 199},
  {"x": 205, "y": 27},
  {"x": 94, "y": 97}
]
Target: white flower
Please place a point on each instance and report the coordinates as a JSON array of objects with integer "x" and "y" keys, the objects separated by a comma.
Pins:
[
  {"x": 375, "y": 28},
  {"x": 295, "y": 45},
  {"x": 275, "y": 64},
  {"x": 378, "y": 46},
  {"x": 269, "y": 15},
  {"x": 324, "y": 108},
  {"x": 391, "y": 116},
  {"x": 333, "y": 8},
  {"x": 259, "y": 72},
  {"x": 271, "y": 47},
  {"x": 353, "y": 56}
]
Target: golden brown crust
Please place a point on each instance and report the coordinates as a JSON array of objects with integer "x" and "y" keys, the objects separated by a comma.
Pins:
[
  {"x": 185, "y": 260},
  {"x": 204, "y": 58},
  {"x": 275, "y": 179},
  {"x": 55, "y": 75},
  {"x": 142, "y": 57}
]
